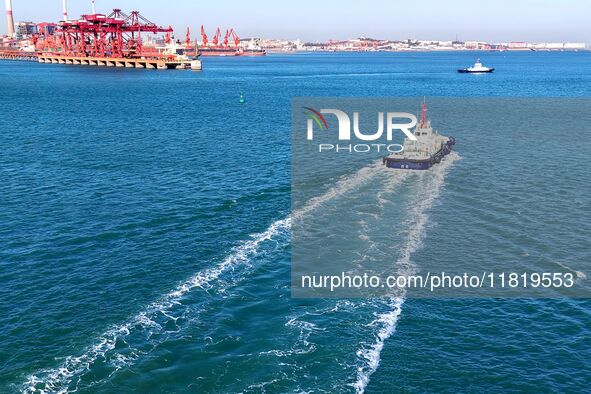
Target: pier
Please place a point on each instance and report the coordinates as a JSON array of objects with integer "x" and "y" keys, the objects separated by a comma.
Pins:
[
  {"x": 18, "y": 55},
  {"x": 156, "y": 64}
]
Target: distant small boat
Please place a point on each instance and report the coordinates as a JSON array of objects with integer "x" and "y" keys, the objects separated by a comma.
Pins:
[{"x": 477, "y": 68}]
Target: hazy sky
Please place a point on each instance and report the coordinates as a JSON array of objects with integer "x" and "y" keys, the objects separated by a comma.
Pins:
[{"x": 490, "y": 20}]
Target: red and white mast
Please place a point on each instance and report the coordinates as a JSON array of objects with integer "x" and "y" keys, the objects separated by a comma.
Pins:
[
  {"x": 65, "y": 10},
  {"x": 9, "y": 18}
]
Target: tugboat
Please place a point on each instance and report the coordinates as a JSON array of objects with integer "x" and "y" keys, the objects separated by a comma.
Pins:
[
  {"x": 477, "y": 68},
  {"x": 429, "y": 148}
]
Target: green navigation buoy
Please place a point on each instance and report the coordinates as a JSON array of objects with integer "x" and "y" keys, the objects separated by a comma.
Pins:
[{"x": 242, "y": 98}]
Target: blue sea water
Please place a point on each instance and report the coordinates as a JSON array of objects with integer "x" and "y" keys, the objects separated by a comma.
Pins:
[{"x": 145, "y": 229}]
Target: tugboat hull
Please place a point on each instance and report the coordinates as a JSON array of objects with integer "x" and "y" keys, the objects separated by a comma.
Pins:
[
  {"x": 466, "y": 71},
  {"x": 413, "y": 164},
  {"x": 408, "y": 164}
]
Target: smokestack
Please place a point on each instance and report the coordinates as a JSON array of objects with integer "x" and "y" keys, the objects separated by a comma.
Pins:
[
  {"x": 9, "y": 18},
  {"x": 93, "y": 8},
  {"x": 65, "y": 8}
]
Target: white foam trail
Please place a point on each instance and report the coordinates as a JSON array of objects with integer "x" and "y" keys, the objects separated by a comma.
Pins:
[
  {"x": 395, "y": 178},
  {"x": 386, "y": 321},
  {"x": 342, "y": 186},
  {"x": 59, "y": 379},
  {"x": 580, "y": 274},
  {"x": 371, "y": 355}
]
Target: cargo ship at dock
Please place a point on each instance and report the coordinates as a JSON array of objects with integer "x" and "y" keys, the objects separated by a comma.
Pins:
[
  {"x": 229, "y": 45},
  {"x": 428, "y": 149},
  {"x": 212, "y": 51}
]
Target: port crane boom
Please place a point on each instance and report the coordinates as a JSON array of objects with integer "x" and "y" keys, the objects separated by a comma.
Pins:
[
  {"x": 216, "y": 37},
  {"x": 235, "y": 37},
  {"x": 203, "y": 36}
]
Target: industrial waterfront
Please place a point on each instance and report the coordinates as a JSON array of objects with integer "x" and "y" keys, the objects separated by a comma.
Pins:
[
  {"x": 107, "y": 38},
  {"x": 117, "y": 39}
]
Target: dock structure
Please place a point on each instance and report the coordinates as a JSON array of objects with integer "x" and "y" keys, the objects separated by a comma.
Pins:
[
  {"x": 18, "y": 55},
  {"x": 113, "y": 40},
  {"x": 156, "y": 64}
]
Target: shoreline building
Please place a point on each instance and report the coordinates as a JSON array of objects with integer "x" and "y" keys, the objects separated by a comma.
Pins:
[{"x": 26, "y": 30}]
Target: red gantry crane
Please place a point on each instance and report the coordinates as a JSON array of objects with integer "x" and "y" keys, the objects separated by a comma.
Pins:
[
  {"x": 226, "y": 38},
  {"x": 216, "y": 38},
  {"x": 203, "y": 36},
  {"x": 117, "y": 35},
  {"x": 235, "y": 37},
  {"x": 228, "y": 45},
  {"x": 230, "y": 33}
]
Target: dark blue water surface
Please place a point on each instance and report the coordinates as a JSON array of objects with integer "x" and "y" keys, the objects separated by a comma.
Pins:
[{"x": 145, "y": 234}]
